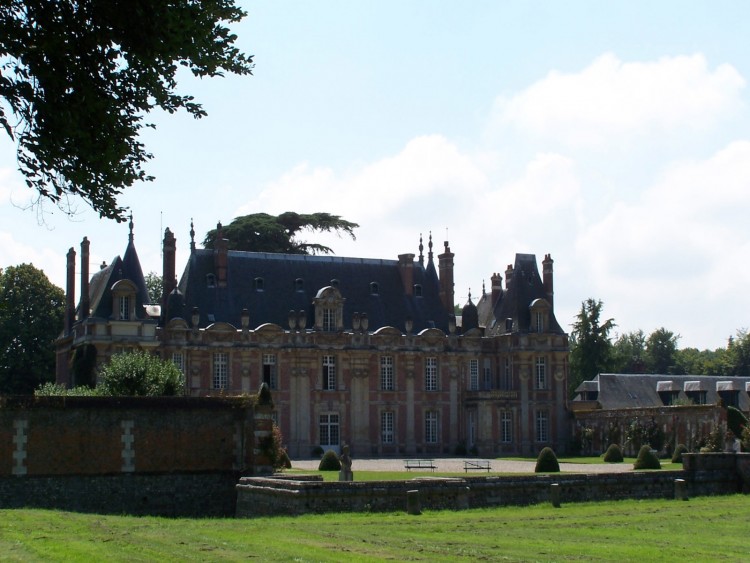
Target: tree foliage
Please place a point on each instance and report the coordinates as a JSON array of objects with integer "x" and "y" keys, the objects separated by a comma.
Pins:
[
  {"x": 154, "y": 287},
  {"x": 31, "y": 318},
  {"x": 260, "y": 232},
  {"x": 629, "y": 352},
  {"x": 78, "y": 76},
  {"x": 139, "y": 374},
  {"x": 590, "y": 350},
  {"x": 661, "y": 351}
]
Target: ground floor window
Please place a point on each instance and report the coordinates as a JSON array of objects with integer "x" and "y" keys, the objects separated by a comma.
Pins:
[
  {"x": 431, "y": 427},
  {"x": 542, "y": 426},
  {"x": 386, "y": 426},
  {"x": 506, "y": 427},
  {"x": 329, "y": 430},
  {"x": 220, "y": 370}
]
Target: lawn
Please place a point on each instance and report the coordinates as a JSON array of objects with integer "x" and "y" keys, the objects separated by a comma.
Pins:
[{"x": 702, "y": 529}]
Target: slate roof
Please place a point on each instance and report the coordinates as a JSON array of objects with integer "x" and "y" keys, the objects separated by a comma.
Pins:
[
  {"x": 390, "y": 306},
  {"x": 619, "y": 390},
  {"x": 513, "y": 302}
]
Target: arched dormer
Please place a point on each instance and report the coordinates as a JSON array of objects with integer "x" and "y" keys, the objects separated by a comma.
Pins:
[
  {"x": 539, "y": 310},
  {"x": 123, "y": 300},
  {"x": 329, "y": 310}
]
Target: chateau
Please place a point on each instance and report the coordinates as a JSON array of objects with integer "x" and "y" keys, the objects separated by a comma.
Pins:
[{"x": 356, "y": 351}]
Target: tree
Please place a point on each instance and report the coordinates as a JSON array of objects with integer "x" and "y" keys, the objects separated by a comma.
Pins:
[
  {"x": 591, "y": 349},
  {"x": 32, "y": 312},
  {"x": 261, "y": 232},
  {"x": 154, "y": 287},
  {"x": 738, "y": 351},
  {"x": 140, "y": 373},
  {"x": 629, "y": 351},
  {"x": 78, "y": 76},
  {"x": 661, "y": 351}
]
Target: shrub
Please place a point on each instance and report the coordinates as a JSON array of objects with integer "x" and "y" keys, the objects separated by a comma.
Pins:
[
  {"x": 330, "y": 462},
  {"x": 272, "y": 447},
  {"x": 613, "y": 454},
  {"x": 318, "y": 452},
  {"x": 715, "y": 440},
  {"x": 547, "y": 462},
  {"x": 646, "y": 459},
  {"x": 678, "y": 451},
  {"x": 55, "y": 390},
  {"x": 140, "y": 373},
  {"x": 736, "y": 421},
  {"x": 746, "y": 438}
]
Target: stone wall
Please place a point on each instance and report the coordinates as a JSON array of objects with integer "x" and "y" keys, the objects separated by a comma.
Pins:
[{"x": 268, "y": 496}]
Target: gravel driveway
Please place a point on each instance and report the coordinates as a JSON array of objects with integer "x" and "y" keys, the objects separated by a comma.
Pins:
[{"x": 456, "y": 465}]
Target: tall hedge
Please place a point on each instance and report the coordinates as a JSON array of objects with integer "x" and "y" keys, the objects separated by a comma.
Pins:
[
  {"x": 646, "y": 459},
  {"x": 547, "y": 462}
]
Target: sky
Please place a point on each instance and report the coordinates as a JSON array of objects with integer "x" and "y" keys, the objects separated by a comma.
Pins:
[{"x": 614, "y": 136}]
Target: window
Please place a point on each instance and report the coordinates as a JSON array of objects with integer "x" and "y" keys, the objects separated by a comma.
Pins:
[
  {"x": 430, "y": 374},
  {"x": 386, "y": 373},
  {"x": 508, "y": 374},
  {"x": 539, "y": 321},
  {"x": 258, "y": 284},
  {"x": 329, "y": 320},
  {"x": 329, "y": 373},
  {"x": 178, "y": 359},
  {"x": 431, "y": 427},
  {"x": 124, "y": 305},
  {"x": 374, "y": 288},
  {"x": 697, "y": 397},
  {"x": 474, "y": 375},
  {"x": 386, "y": 427},
  {"x": 487, "y": 378},
  {"x": 299, "y": 284},
  {"x": 541, "y": 373},
  {"x": 221, "y": 370},
  {"x": 269, "y": 371},
  {"x": 417, "y": 290},
  {"x": 506, "y": 427},
  {"x": 329, "y": 430},
  {"x": 542, "y": 426}
]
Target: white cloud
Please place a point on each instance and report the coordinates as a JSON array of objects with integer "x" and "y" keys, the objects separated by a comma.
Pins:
[{"x": 612, "y": 101}]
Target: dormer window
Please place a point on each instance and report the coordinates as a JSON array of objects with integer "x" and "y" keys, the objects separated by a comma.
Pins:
[
  {"x": 124, "y": 308},
  {"x": 539, "y": 309},
  {"x": 329, "y": 320},
  {"x": 417, "y": 290},
  {"x": 729, "y": 392},
  {"x": 329, "y": 310},
  {"x": 258, "y": 283},
  {"x": 299, "y": 284},
  {"x": 374, "y": 288},
  {"x": 334, "y": 283},
  {"x": 123, "y": 300},
  {"x": 210, "y": 281},
  {"x": 696, "y": 392}
]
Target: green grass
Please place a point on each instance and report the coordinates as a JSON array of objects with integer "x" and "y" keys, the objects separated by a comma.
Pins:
[{"x": 702, "y": 529}]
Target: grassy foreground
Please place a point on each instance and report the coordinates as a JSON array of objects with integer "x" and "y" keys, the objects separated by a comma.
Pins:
[{"x": 702, "y": 529}]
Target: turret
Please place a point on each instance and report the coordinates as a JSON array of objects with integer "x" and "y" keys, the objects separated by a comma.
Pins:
[{"x": 445, "y": 262}]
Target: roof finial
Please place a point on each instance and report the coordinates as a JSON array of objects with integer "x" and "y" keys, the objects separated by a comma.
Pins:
[
  {"x": 483, "y": 291},
  {"x": 469, "y": 295},
  {"x": 429, "y": 248},
  {"x": 130, "y": 236},
  {"x": 421, "y": 249},
  {"x": 192, "y": 236}
]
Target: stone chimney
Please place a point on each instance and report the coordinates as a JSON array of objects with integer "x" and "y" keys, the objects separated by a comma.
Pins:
[
  {"x": 508, "y": 276},
  {"x": 497, "y": 287},
  {"x": 406, "y": 269},
  {"x": 168, "y": 280},
  {"x": 547, "y": 278},
  {"x": 220, "y": 257},
  {"x": 445, "y": 264},
  {"x": 70, "y": 290},
  {"x": 85, "y": 305}
]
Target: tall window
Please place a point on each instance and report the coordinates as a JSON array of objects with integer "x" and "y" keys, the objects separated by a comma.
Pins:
[
  {"x": 329, "y": 320},
  {"x": 329, "y": 429},
  {"x": 539, "y": 321},
  {"x": 329, "y": 373},
  {"x": 386, "y": 427},
  {"x": 430, "y": 374},
  {"x": 124, "y": 304},
  {"x": 487, "y": 377},
  {"x": 221, "y": 370},
  {"x": 542, "y": 426},
  {"x": 269, "y": 371},
  {"x": 386, "y": 373},
  {"x": 178, "y": 359},
  {"x": 431, "y": 427},
  {"x": 541, "y": 373},
  {"x": 474, "y": 375},
  {"x": 508, "y": 374},
  {"x": 506, "y": 427}
]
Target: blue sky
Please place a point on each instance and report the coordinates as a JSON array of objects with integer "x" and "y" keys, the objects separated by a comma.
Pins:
[{"x": 613, "y": 135}]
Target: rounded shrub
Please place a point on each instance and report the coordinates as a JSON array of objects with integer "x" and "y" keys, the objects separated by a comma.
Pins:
[
  {"x": 547, "y": 462},
  {"x": 330, "y": 462},
  {"x": 613, "y": 454},
  {"x": 678, "y": 451},
  {"x": 646, "y": 459}
]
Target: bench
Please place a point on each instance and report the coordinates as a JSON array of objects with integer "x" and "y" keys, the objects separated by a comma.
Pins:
[
  {"x": 410, "y": 464},
  {"x": 477, "y": 465}
]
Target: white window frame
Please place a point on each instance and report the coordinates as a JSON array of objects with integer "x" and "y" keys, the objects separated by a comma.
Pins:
[
  {"x": 329, "y": 373},
  {"x": 540, "y": 380},
  {"x": 329, "y": 319},
  {"x": 387, "y": 425},
  {"x": 506, "y": 427},
  {"x": 386, "y": 373},
  {"x": 474, "y": 374},
  {"x": 539, "y": 321},
  {"x": 123, "y": 302},
  {"x": 542, "y": 426},
  {"x": 270, "y": 372},
  {"x": 431, "y": 374},
  {"x": 329, "y": 429},
  {"x": 508, "y": 375},
  {"x": 220, "y": 370},
  {"x": 178, "y": 359},
  {"x": 431, "y": 427}
]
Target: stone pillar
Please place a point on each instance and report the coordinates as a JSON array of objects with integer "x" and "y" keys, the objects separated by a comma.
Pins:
[
  {"x": 554, "y": 490},
  {"x": 413, "y": 504},
  {"x": 680, "y": 489}
]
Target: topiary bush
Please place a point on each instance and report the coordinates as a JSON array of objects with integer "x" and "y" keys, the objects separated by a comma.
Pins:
[
  {"x": 547, "y": 462},
  {"x": 678, "y": 451},
  {"x": 330, "y": 462},
  {"x": 613, "y": 454},
  {"x": 646, "y": 459},
  {"x": 736, "y": 421}
]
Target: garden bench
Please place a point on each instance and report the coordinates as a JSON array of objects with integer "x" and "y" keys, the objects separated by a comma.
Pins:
[
  {"x": 410, "y": 464},
  {"x": 477, "y": 465}
]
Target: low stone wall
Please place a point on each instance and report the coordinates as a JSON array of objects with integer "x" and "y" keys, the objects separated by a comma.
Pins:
[{"x": 704, "y": 474}]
